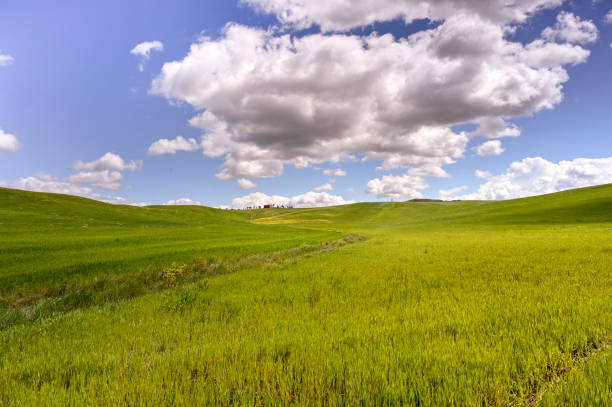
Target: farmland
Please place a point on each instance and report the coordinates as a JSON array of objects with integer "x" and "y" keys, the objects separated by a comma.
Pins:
[{"x": 455, "y": 303}]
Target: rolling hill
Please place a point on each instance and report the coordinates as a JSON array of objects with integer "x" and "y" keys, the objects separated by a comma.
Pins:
[{"x": 416, "y": 303}]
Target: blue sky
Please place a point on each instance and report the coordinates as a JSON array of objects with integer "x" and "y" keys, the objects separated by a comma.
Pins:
[{"x": 71, "y": 91}]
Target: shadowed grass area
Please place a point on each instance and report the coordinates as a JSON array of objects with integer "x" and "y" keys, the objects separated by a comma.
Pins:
[{"x": 461, "y": 303}]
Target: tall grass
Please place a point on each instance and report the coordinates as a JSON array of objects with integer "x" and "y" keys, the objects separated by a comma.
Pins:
[
  {"x": 589, "y": 384},
  {"x": 55, "y": 300},
  {"x": 50, "y": 241},
  {"x": 444, "y": 304}
]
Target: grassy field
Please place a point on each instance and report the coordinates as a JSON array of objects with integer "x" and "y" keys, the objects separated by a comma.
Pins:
[
  {"x": 428, "y": 304},
  {"x": 60, "y": 246}
]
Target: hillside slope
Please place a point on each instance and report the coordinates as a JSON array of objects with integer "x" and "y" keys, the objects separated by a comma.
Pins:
[
  {"x": 462, "y": 303},
  {"x": 585, "y": 205},
  {"x": 34, "y": 209},
  {"x": 54, "y": 240}
]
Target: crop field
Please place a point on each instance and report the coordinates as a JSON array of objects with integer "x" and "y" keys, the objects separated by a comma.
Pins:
[{"x": 425, "y": 304}]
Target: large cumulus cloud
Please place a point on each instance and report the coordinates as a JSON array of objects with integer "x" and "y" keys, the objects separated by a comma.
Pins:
[
  {"x": 267, "y": 100},
  {"x": 340, "y": 15}
]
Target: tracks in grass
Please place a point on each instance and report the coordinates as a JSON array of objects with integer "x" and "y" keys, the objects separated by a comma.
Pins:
[
  {"x": 559, "y": 378},
  {"x": 52, "y": 301}
]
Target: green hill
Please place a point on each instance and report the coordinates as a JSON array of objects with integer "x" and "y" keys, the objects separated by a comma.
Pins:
[
  {"x": 416, "y": 303},
  {"x": 51, "y": 240},
  {"x": 586, "y": 205}
]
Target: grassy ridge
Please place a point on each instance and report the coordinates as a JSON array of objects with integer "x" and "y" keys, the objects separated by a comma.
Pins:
[
  {"x": 466, "y": 303},
  {"x": 586, "y": 205},
  {"x": 53, "y": 240}
]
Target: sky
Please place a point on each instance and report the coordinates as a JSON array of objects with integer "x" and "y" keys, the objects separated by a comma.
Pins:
[{"x": 304, "y": 103}]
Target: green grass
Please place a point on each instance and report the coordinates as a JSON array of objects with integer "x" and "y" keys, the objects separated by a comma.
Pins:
[
  {"x": 470, "y": 303},
  {"x": 589, "y": 384},
  {"x": 52, "y": 240}
]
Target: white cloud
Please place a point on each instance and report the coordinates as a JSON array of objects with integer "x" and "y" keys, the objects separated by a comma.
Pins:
[
  {"x": 81, "y": 184},
  {"x": 490, "y": 148},
  {"x": 109, "y": 180},
  {"x": 430, "y": 171},
  {"x": 103, "y": 173},
  {"x": 496, "y": 127},
  {"x": 165, "y": 146},
  {"x": 244, "y": 183},
  {"x": 447, "y": 194},
  {"x": 8, "y": 142},
  {"x": 608, "y": 17},
  {"x": 49, "y": 183},
  {"x": 108, "y": 161},
  {"x": 6, "y": 59},
  {"x": 340, "y": 15},
  {"x": 325, "y": 187},
  {"x": 317, "y": 200},
  {"x": 570, "y": 28},
  {"x": 183, "y": 201},
  {"x": 398, "y": 187},
  {"x": 536, "y": 176},
  {"x": 335, "y": 173},
  {"x": 483, "y": 174},
  {"x": 307, "y": 200},
  {"x": 257, "y": 199},
  {"x": 144, "y": 50},
  {"x": 270, "y": 100},
  {"x": 540, "y": 53},
  {"x": 117, "y": 200}
]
